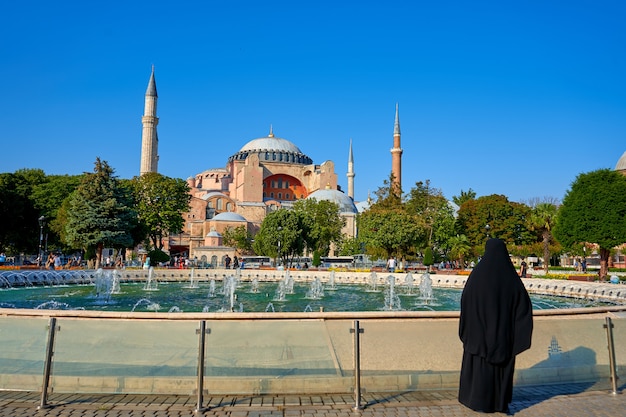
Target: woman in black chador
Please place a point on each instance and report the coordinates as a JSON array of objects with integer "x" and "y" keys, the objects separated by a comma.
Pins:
[{"x": 496, "y": 324}]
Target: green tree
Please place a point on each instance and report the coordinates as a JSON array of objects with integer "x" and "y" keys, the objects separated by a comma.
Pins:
[
  {"x": 282, "y": 235},
  {"x": 386, "y": 233},
  {"x": 594, "y": 211},
  {"x": 494, "y": 216},
  {"x": 429, "y": 204},
  {"x": 428, "y": 257},
  {"x": 350, "y": 246},
  {"x": 160, "y": 202},
  {"x": 323, "y": 222},
  {"x": 460, "y": 248},
  {"x": 51, "y": 198},
  {"x": 463, "y": 197},
  {"x": 19, "y": 226},
  {"x": 100, "y": 212},
  {"x": 543, "y": 218},
  {"x": 389, "y": 196},
  {"x": 239, "y": 238}
]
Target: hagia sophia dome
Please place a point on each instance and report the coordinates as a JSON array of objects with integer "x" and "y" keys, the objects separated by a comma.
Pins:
[
  {"x": 345, "y": 203},
  {"x": 271, "y": 148}
]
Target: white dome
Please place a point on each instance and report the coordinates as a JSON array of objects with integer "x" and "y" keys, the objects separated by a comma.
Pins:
[
  {"x": 621, "y": 164},
  {"x": 270, "y": 143},
  {"x": 229, "y": 217},
  {"x": 272, "y": 149},
  {"x": 345, "y": 203}
]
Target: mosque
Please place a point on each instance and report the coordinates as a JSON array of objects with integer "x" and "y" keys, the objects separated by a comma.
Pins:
[{"x": 265, "y": 174}]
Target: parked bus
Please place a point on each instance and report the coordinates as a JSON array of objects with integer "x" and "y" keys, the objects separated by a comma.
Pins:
[
  {"x": 337, "y": 261},
  {"x": 255, "y": 262}
]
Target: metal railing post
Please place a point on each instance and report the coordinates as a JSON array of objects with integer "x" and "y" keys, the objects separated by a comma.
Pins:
[
  {"x": 47, "y": 366},
  {"x": 609, "y": 335},
  {"x": 357, "y": 365},
  {"x": 202, "y": 332}
]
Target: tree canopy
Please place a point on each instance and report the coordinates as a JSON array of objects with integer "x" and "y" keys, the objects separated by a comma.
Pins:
[
  {"x": 19, "y": 228},
  {"x": 594, "y": 211},
  {"x": 160, "y": 202},
  {"x": 100, "y": 212},
  {"x": 494, "y": 216}
]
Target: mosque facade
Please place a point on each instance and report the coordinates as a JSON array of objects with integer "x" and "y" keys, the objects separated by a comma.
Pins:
[{"x": 266, "y": 174}]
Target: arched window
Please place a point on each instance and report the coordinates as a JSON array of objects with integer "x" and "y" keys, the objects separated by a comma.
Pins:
[
  {"x": 272, "y": 195},
  {"x": 280, "y": 183},
  {"x": 280, "y": 196},
  {"x": 229, "y": 206},
  {"x": 219, "y": 204},
  {"x": 214, "y": 261},
  {"x": 287, "y": 196}
]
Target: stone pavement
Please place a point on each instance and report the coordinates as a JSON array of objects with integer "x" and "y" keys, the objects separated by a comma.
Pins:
[{"x": 569, "y": 400}]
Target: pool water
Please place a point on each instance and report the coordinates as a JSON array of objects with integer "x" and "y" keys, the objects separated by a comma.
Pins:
[{"x": 248, "y": 297}]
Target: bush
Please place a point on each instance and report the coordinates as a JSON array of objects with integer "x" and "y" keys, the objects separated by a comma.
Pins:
[
  {"x": 157, "y": 256},
  {"x": 428, "y": 257}
]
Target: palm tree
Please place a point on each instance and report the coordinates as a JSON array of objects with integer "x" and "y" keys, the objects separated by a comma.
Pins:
[
  {"x": 459, "y": 248},
  {"x": 542, "y": 219}
]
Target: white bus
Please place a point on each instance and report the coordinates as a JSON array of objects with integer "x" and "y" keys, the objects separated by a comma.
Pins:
[
  {"x": 255, "y": 262},
  {"x": 337, "y": 261}
]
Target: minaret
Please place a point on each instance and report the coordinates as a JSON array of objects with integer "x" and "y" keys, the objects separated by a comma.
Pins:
[
  {"x": 149, "y": 136},
  {"x": 350, "y": 173},
  {"x": 396, "y": 152}
]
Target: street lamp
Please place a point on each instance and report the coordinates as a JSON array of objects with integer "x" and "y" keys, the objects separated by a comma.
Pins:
[
  {"x": 487, "y": 227},
  {"x": 278, "y": 255},
  {"x": 42, "y": 222}
]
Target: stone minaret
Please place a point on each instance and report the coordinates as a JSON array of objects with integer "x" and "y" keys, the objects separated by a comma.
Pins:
[
  {"x": 149, "y": 136},
  {"x": 350, "y": 173},
  {"x": 396, "y": 152}
]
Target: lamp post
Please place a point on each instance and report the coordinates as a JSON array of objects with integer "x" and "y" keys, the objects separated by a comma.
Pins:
[
  {"x": 487, "y": 227},
  {"x": 278, "y": 254},
  {"x": 42, "y": 221}
]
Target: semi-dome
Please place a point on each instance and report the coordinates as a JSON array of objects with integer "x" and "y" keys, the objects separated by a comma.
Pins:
[
  {"x": 229, "y": 216},
  {"x": 345, "y": 203},
  {"x": 621, "y": 164},
  {"x": 272, "y": 149}
]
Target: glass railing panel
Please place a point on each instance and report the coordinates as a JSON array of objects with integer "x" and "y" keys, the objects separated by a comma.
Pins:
[
  {"x": 565, "y": 349},
  {"x": 22, "y": 351},
  {"x": 141, "y": 356},
  {"x": 410, "y": 354},
  {"x": 278, "y": 356}
]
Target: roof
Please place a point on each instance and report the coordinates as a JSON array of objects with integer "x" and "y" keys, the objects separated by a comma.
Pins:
[
  {"x": 229, "y": 216},
  {"x": 345, "y": 203},
  {"x": 621, "y": 164}
]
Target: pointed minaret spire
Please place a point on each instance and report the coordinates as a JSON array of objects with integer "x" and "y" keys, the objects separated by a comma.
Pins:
[
  {"x": 151, "y": 90},
  {"x": 271, "y": 135},
  {"x": 350, "y": 173},
  {"x": 149, "y": 137},
  {"x": 396, "y": 124},
  {"x": 396, "y": 152}
]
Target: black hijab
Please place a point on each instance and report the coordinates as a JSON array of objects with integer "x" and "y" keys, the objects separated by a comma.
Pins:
[{"x": 496, "y": 313}]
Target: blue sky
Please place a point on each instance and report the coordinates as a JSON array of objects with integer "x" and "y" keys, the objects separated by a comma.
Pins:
[{"x": 503, "y": 97}]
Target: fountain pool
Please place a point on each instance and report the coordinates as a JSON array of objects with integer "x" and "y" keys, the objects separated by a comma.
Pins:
[{"x": 248, "y": 296}]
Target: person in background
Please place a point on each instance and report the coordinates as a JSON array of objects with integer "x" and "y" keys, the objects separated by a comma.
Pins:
[
  {"x": 522, "y": 269},
  {"x": 391, "y": 264},
  {"x": 496, "y": 324}
]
